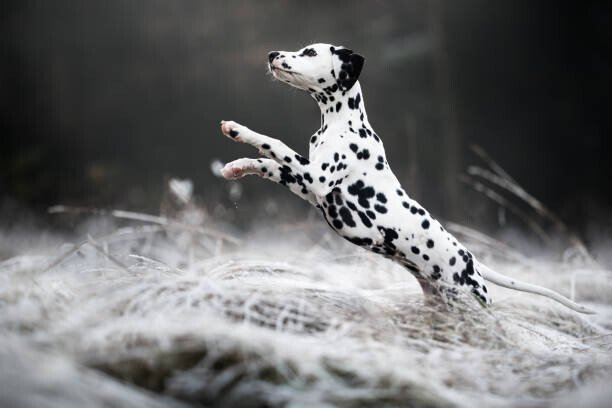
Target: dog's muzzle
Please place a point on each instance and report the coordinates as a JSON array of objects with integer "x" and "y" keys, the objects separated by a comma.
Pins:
[{"x": 272, "y": 55}]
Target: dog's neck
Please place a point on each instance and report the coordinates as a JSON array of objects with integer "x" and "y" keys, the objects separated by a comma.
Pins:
[{"x": 351, "y": 106}]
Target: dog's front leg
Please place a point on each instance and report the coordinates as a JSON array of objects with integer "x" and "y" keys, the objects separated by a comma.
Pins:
[
  {"x": 267, "y": 168},
  {"x": 292, "y": 170},
  {"x": 267, "y": 146}
]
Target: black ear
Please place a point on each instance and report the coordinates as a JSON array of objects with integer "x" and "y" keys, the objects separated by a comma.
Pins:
[{"x": 347, "y": 68}]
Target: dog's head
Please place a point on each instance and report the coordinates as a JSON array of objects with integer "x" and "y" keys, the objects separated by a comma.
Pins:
[{"x": 317, "y": 67}]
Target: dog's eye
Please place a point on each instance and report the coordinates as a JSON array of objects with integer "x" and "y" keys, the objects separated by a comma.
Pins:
[{"x": 309, "y": 52}]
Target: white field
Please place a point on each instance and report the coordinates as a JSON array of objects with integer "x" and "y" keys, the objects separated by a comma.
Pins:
[{"x": 290, "y": 315}]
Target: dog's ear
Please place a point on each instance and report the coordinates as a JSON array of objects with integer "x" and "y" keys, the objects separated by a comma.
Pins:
[{"x": 347, "y": 67}]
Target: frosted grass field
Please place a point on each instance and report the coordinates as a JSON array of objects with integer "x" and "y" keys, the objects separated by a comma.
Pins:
[{"x": 180, "y": 312}]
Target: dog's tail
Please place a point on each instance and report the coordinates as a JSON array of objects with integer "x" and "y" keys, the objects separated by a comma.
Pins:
[{"x": 501, "y": 280}]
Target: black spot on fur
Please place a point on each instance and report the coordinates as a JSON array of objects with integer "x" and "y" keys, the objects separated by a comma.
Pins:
[
  {"x": 469, "y": 267},
  {"x": 380, "y": 208},
  {"x": 389, "y": 235},
  {"x": 380, "y": 165},
  {"x": 362, "y": 192},
  {"x": 436, "y": 273},
  {"x": 364, "y": 219},
  {"x": 351, "y": 103},
  {"x": 303, "y": 161},
  {"x": 286, "y": 177},
  {"x": 360, "y": 241},
  {"x": 308, "y": 52},
  {"x": 347, "y": 217}
]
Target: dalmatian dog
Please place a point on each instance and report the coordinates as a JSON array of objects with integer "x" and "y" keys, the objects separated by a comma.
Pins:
[{"x": 347, "y": 177}]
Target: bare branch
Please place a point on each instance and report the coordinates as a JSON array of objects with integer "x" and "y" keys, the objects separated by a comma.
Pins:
[
  {"x": 494, "y": 196},
  {"x": 129, "y": 215}
]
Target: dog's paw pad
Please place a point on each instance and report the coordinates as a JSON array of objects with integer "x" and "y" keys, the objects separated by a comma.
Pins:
[
  {"x": 237, "y": 169},
  {"x": 232, "y": 172}
]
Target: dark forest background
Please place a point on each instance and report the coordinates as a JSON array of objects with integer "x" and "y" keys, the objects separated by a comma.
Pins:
[{"x": 101, "y": 102}]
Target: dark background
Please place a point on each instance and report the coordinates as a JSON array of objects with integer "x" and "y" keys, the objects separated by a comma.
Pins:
[{"x": 101, "y": 102}]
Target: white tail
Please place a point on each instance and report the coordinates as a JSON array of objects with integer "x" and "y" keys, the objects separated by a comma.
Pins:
[{"x": 511, "y": 283}]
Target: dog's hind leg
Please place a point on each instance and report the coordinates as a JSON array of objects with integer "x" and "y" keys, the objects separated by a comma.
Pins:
[{"x": 269, "y": 169}]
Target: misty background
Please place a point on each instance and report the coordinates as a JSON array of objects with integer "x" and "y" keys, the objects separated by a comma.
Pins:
[{"x": 102, "y": 102}]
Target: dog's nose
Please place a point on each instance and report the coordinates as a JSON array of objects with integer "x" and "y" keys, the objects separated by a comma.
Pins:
[{"x": 272, "y": 55}]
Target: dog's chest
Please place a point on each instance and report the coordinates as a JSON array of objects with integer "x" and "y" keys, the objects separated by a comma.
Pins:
[{"x": 360, "y": 203}]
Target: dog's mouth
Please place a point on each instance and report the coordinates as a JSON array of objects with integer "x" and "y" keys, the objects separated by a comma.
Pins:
[
  {"x": 274, "y": 69},
  {"x": 292, "y": 78}
]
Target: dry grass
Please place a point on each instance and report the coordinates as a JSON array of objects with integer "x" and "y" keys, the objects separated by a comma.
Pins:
[{"x": 173, "y": 310}]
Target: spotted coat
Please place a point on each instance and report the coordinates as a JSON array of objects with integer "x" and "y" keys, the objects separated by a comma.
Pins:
[{"x": 348, "y": 178}]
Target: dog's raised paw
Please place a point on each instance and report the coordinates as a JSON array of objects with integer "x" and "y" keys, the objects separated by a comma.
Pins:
[
  {"x": 232, "y": 172},
  {"x": 238, "y": 168},
  {"x": 230, "y": 129}
]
